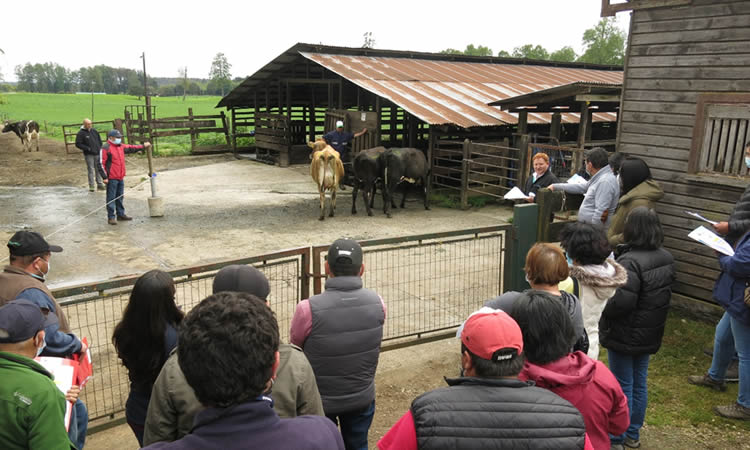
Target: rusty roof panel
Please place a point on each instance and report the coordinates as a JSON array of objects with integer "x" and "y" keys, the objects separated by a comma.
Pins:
[{"x": 453, "y": 92}]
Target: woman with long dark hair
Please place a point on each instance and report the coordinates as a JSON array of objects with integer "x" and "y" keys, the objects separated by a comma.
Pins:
[
  {"x": 636, "y": 189},
  {"x": 632, "y": 324},
  {"x": 144, "y": 338}
]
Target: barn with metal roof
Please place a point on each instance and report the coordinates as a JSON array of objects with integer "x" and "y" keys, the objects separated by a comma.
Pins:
[{"x": 403, "y": 98}]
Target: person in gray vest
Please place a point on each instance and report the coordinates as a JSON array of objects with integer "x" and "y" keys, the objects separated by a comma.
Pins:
[
  {"x": 601, "y": 193},
  {"x": 340, "y": 331},
  {"x": 488, "y": 406}
]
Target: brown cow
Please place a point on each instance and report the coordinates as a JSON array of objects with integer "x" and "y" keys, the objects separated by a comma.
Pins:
[{"x": 327, "y": 171}]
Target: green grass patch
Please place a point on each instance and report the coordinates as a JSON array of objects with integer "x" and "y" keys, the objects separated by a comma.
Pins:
[
  {"x": 671, "y": 400},
  {"x": 445, "y": 199}
]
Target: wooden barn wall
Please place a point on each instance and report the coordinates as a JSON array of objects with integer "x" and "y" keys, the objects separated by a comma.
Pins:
[{"x": 674, "y": 55}]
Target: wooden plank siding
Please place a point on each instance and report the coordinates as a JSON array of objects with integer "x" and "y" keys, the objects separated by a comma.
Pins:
[{"x": 676, "y": 54}]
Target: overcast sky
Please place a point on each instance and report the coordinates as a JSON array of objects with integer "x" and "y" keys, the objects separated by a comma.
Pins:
[{"x": 251, "y": 33}]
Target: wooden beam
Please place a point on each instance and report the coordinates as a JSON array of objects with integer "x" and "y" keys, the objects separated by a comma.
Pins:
[
  {"x": 609, "y": 9},
  {"x": 523, "y": 122},
  {"x": 597, "y": 98},
  {"x": 554, "y": 126},
  {"x": 311, "y": 80}
]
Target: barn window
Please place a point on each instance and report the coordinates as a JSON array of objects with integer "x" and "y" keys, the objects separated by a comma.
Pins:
[{"x": 721, "y": 132}]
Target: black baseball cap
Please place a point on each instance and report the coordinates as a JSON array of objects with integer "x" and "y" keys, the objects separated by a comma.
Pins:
[
  {"x": 241, "y": 278},
  {"x": 344, "y": 253},
  {"x": 114, "y": 133},
  {"x": 21, "y": 320},
  {"x": 30, "y": 243}
]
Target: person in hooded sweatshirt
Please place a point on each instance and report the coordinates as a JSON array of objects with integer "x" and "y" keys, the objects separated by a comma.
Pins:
[
  {"x": 596, "y": 276},
  {"x": 636, "y": 189},
  {"x": 548, "y": 335}
]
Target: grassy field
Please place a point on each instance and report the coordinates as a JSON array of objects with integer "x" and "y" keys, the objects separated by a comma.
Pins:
[{"x": 54, "y": 110}]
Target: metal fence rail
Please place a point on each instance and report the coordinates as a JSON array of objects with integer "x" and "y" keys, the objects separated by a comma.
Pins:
[
  {"x": 430, "y": 282},
  {"x": 95, "y": 309}
]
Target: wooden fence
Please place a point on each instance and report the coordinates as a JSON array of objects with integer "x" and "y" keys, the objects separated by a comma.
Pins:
[
  {"x": 70, "y": 132},
  {"x": 141, "y": 130}
]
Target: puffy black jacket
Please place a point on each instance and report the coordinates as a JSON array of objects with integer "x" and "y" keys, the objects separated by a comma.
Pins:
[
  {"x": 544, "y": 181},
  {"x": 739, "y": 220},
  {"x": 478, "y": 413},
  {"x": 633, "y": 320}
]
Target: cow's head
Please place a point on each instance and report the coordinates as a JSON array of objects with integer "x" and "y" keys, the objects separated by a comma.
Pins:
[
  {"x": 317, "y": 146},
  {"x": 7, "y": 126}
]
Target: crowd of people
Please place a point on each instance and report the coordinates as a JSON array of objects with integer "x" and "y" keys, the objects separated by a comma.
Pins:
[{"x": 219, "y": 376}]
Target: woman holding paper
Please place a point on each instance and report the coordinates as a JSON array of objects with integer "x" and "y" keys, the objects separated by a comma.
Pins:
[
  {"x": 541, "y": 177},
  {"x": 144, "y": 338},
  {"x": 732, "y": 292},
  {"x": 636, "y": 189}
]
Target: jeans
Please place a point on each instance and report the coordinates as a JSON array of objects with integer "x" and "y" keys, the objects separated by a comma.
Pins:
[
  {"x": 354, "y": 426},
  {"x": 631, "y": 372},
  {"x": 91, "y": 162},
  {"x": 115, "y": 189},
  {"x": 79, "y": 424},
  {"x": 731, "y": 334}
]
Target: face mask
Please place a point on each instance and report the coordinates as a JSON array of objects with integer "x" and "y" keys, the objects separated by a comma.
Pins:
[
  {"x": 41, "y": 349},
  {"x": 570, "y": 261},
  {"x": 42, "y": 275},
  {"x": 747, "y": 161},
  {"x": 118, "y": 141},
  {"x": 526, "y": 277}
]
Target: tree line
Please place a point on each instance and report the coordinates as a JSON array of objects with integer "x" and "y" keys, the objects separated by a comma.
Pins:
[
  {"x": 53, "y": 78},
  {"x": 603, "y": 44}
]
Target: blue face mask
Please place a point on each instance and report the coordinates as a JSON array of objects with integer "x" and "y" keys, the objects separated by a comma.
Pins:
[
  {"x": 41, "y": 349},
  {"x": 747, "y": 161},
  {"x": 570, "y": 261},
  {"x": 118, "y": 141}
]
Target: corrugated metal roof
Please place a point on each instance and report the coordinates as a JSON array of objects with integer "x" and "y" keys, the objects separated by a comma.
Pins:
[{"x": 453, "y": 92}]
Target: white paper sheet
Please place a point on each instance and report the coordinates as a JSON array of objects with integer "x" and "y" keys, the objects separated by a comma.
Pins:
[
  {"x": 515, "y": 194},
  {"x": 709, "y": 238},
  {"x": 699, "y": 217},
  {"x": 577, "y": 179},
  {"x": 64, "y": 372}
]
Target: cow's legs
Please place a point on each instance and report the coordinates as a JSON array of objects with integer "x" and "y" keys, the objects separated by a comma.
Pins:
[
  {"x": 333, "y": 201},
  {"x": 368, "y": 195},
  {"x": 355, "y": 190},
  {"x": 37, "y": 141},
  {"x": 406, "y": 187},
  {"x": 424, "y": 191},
  {"x": 322, "y": 203}
]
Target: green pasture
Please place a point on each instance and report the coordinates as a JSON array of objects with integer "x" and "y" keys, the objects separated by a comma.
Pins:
[{"x": 54, "y": 110}]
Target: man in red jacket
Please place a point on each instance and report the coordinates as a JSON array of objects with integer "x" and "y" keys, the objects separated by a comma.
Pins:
[{"x": 112, "y": 169}]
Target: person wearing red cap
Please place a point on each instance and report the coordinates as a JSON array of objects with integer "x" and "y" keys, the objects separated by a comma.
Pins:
[
  {"x": 548, "y": 337},
  {"x": 488, "y": 406}
]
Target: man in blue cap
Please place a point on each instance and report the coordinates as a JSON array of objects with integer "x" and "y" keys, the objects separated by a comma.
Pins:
[
  {"x": 32, "y": 408},
  {"x": 112, "y": 169}
]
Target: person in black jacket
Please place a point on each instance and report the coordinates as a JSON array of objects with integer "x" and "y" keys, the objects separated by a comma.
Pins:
[
  {"x": 488, "y": 406},
  {"x": 632, "y": 324},
  {"x": 541, "y": 177},
  {"x": 89, "y": 141}
]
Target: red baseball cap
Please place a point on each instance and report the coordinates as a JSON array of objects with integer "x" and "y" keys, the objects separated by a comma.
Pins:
[{"x": 492, "y": 334}]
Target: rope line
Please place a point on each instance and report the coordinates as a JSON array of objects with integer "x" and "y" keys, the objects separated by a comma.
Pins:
[{"x": 89, "y": 214}]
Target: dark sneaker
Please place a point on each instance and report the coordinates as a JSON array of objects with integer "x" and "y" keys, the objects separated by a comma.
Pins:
[
  {"x": 124, "y": 217},
  {"x": 616, "y": 447},
  {"x": 112, "y": 221},
  {"x": 709, "y": 351},
  {"x": 101, "y": 187},
  {"x": 705, "y": 380},
  {"x": 735, "y": 411},
  {"x": 91, "y": 189},
  {"x": 733, "y": 372},
  {"x": 632, "y": 443}
]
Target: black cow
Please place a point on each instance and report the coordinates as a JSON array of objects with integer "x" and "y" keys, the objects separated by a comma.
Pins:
[
  {"x": 399, "y": 165},
  {"x": 368, "y": 169},
  {"x": 26, "y": 130}
]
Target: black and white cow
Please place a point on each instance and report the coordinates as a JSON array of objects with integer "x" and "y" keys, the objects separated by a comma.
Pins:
[
  {"x": 403, "y": 165},
  {"x": 26, "y": 130},
  {"x": 367, "y": 171}
]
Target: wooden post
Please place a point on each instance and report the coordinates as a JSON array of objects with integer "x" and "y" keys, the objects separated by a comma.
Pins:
[
  {"x": 234, "y": 132},
  {"x": 341, "y": 94},
  {"x": 393, "y": 124},
  {"x": 192, "y": 131},
  {"x": 589, "y": 124},
  {"x": 313, "y": 116},
  {"x": 226, "y": 129},
  {"x": 412, "y": 131},
  {"x": 554, "y": 127},
  {"x": 378, "y": 111},
  {"x": 289, "y": 102},
  {"x": 430, "y": 160},
  {"x": 465, "y": 174},
  {"x": 523, "y": 156},
  {"x": 523, "y": 122},
  {"x": 583, "y": 124},
  {"x": 549, "y": 202}
]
